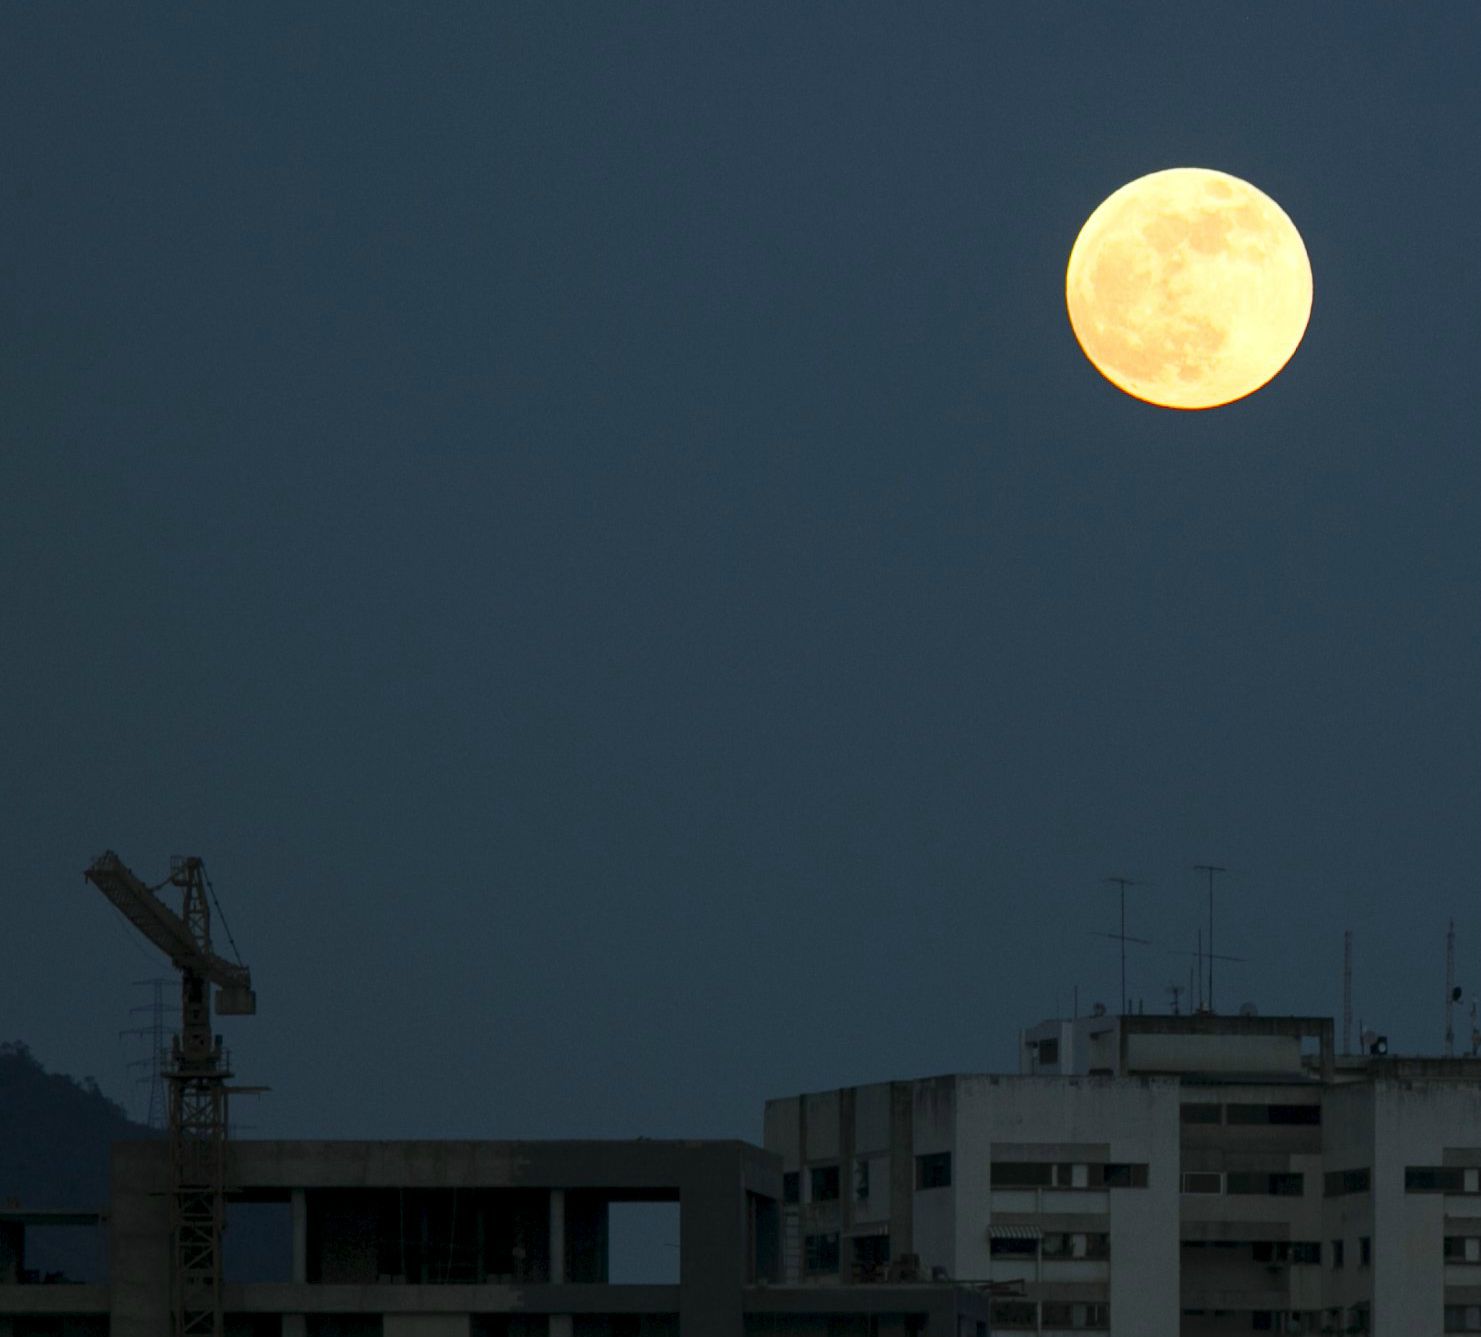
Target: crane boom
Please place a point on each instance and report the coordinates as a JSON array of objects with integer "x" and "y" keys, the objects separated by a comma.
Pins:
[{"x": 172, "y": 935}]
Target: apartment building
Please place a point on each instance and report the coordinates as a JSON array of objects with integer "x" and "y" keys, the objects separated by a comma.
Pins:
[{"x": 1198, "y": 1174}]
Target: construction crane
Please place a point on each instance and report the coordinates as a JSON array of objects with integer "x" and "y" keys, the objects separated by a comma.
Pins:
[{"x": 197, "y": 1076}]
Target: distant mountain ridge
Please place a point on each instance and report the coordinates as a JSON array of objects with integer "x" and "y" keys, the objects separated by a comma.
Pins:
[
  {"x": 57, "y": 1132},
  {"x": 55, "y": 1135}
]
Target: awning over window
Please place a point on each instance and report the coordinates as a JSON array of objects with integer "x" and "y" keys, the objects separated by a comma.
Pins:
[{"x": 1013, "y": 1232}]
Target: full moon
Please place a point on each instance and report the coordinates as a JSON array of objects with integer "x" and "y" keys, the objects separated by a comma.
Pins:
[{"x": 1188, "y": 288}]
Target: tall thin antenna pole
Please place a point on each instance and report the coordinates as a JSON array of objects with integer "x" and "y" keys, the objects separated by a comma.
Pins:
[
  {"x": 1449, "y": 989},
  {"x": 1123, "y": 883},
  {"x": 1347, "y": 993},
  {"x": 1210, "y": 869}
]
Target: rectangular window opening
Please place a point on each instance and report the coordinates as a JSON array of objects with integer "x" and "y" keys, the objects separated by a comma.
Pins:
[{"x": 643, "y": 1243}]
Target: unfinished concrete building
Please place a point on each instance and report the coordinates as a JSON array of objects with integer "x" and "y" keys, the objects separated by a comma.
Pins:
[{"x": 473, "y": 1239}]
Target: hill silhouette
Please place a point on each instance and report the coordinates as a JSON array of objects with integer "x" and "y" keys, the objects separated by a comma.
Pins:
[{"x": 58, "y": 1132}]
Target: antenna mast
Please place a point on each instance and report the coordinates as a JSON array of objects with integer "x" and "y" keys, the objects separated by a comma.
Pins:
[
  {"x": 1210, "y": 869},
  {"x": 1347, "y": 993},
  {"x": 1449, "y": 989},
  {"x": 1123, "y": 883}
]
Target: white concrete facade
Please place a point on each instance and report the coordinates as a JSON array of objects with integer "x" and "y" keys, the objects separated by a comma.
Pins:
[{"x": 1146, "y": 1175}]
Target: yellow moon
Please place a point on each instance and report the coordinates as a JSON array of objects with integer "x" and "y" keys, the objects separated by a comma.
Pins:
[{"x": 1189, "y": 288}]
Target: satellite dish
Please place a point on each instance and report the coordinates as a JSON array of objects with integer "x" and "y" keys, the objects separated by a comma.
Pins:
[{"x": 1248, "y": 1010}]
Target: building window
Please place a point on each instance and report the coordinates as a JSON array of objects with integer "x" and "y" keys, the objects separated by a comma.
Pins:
[
  {"x": 1303, "y": 1115},
  {"x": 1090, "y": 1316},
  {"x": 1455, "y": 1248},
  {"x": 1201, "y": 1112},
  {"x": 824, "y": 1183},
  {"x": 1365, "y": 1251},
  {"x": 933, "y": 1171},
  {"x": 1278, "y": 1185},
  {"x": 861, "y": 1181},
  {"x": 1021, "y": 1174},
  {"x": 1337, "y": 1253},
  {"x": 820, "y": 1254},
  {"x": 1014, "y": 1246},
  {"x": 1014, "y": 1315},
  {"x": 1463, "y": 1318},
  {"x": 1203, "y": 1181},
  {"x": 1339, "y": 1183},
  {"x": 871, "y": 1257},
  {"x": 1118, "y": 1174},
  {"x": 1048, "y": 1051},
  {"x": 1433, "y": 1179},
  {"x": 791, "y": 1186},
  {"x": 1305, "y": 1252}
]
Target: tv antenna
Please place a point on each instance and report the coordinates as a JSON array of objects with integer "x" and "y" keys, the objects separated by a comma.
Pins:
[
  {"x": 1199, "y": 957},
  {"x": 1452, "y": 994},
  {"x": 1347, "y": 992},
  {"x": 1210, "y": 869},
  {"x": 1123, "y": 883}
]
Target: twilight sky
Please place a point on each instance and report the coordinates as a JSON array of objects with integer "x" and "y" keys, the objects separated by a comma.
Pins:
[{"x": 592, "y": 521}]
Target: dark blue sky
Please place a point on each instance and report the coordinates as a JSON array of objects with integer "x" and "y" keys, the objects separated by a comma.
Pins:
[{"x": 593, "y": 522}]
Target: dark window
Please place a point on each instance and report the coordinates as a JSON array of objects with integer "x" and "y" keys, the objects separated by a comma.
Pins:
[
  {"x": 820, "y": 1254},
  {"x": 1455, "y": 1248},
  {"x": 1296, "y": 1114},
  {"x": 1097, "y": 1244},
  {"x": 621, "y": 1325},
  {"x": 1048, "y": 1051},
  {"x": 933, "y": 1171},
  {"x": 1119, "y": 1174},
  {"x": 1247, "y": 1114},
  {"x": 1338, "y": 1250},
  {"x": 871, "y": 1257},
  {"x": 1014, "y": 1315},
  {"x": 1072, "y": 1314},
  {"x": 1201, "y": 1112},
  {"x": 1281, "y": 1185},
  {"x": 1020, "y": 1174},
  {"x": 1202, "y": 1181},
  {"x": 791, "y": 1186},
  {"x": 1337, "y": 1183},
  {"x": 1365, "y": 1252},
  {"x": 861, "y": 1180},
  {"x": 1056, "y": 1244},
  {"x": 1463, "y": 1318},
  {"x": 1064, "y": 1175},
  {"x": 1432, "y": 1179},
  {"x": 1308, "y": 1252},
  {"x": 1014, "y": 1248},
  {"x": 343, "y": 1325},
  {"x": 824, "y": 1180}
]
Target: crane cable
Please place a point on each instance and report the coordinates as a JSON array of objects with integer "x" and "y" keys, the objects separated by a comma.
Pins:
[{"x": 221, "y": 914}]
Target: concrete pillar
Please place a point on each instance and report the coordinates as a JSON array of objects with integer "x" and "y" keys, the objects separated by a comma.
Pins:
[
  {"x": 300, "y": 1237},
  {"x": 557, "y": 1238}
]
